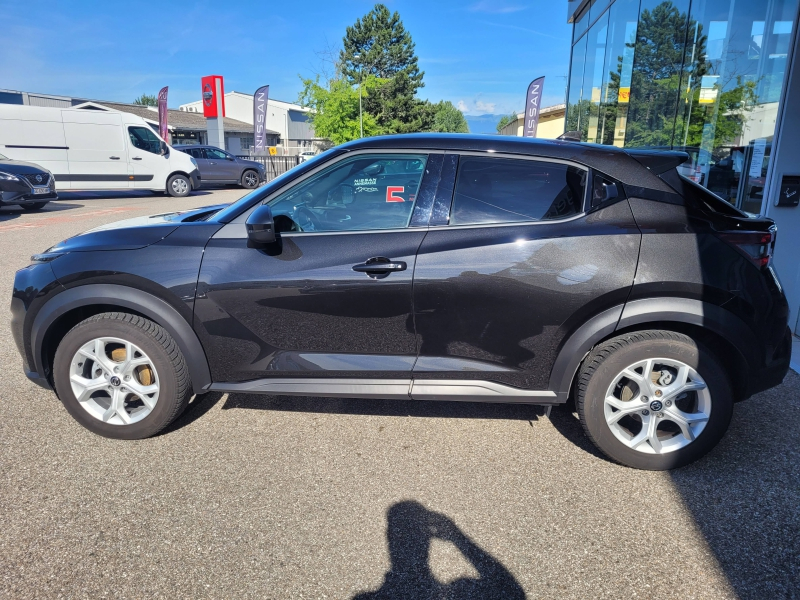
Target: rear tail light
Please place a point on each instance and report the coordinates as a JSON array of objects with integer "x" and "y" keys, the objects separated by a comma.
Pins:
[{"x": 758, "y": 246}]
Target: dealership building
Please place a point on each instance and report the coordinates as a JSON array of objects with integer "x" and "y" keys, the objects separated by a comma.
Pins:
[{"x": 719, "y": 79}]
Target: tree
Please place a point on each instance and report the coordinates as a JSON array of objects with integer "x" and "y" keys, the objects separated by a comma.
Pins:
[
  {"x": 448, "y": 119},
  {"x": 505, "y": 121},
  {"x": 146, "y": 100},
  {"x": 334, "y": 108},
  {"x": 378, "y": 45}
]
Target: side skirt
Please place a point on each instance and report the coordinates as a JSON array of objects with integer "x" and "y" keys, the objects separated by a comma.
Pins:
[{"x": 392, "y": 389}]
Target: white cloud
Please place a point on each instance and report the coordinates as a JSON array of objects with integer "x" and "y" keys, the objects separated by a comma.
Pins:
[
  {"x": 495, "y": 6},
  {"x": 462, "y": 106},
  {"x": 485, "y": 107}
]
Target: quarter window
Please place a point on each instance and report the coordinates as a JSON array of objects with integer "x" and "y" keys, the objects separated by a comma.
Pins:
[
  {"x": 500, "y": 190},
  {"x": 365, "y": 192},
  {"x": 144, "y": 139}
]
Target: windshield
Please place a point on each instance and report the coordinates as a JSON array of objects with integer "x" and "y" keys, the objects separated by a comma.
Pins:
[{"x": 258, "y": 194}]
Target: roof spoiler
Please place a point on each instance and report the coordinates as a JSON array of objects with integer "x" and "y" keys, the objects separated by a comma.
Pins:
[{"x": 658, "y": 161}]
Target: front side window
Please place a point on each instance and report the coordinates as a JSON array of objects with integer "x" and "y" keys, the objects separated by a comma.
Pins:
[
  {"x": 144, "y": 139},
  {"x": 215, "y": 154},
  {"x": 365, "y": 192},
  {"x": 500, "y": 190}
]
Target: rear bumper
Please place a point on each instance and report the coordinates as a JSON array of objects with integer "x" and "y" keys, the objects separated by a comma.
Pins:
[{"x": 775, "y": 373}]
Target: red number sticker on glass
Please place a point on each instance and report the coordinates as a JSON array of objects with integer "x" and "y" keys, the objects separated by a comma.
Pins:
[{"x": 392, "y": 190}]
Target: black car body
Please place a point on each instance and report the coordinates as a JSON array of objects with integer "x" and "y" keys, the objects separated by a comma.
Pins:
[
  {"x": 220, "y": 167},
  {"x": 25, "y": 184},
  {"x": 481, "y": 268}
]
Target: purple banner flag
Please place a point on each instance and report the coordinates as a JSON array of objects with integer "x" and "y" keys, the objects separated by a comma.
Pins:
[
  {"x": 162, "y": 114},
  {"x": 260, "y": 99},
  {"x": 532, "y": 106}
]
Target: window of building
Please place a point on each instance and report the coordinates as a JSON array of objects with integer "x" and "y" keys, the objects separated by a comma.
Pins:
[
  {"x": 144, "y": 139},
  {"x": 365, "y": 192},
  {"x": 500, "y": 190},
  {"x": 246, "y": 142}
]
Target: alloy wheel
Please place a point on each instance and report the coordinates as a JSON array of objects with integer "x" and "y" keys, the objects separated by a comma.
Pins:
[
  {"x": 114, "y": 381},
  {"x": 657, "y": 405}
]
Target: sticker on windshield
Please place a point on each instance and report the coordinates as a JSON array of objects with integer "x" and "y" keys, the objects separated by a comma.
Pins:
[
  {"x": 392, "y": 190},
  {"x": 366, "y": 181}
]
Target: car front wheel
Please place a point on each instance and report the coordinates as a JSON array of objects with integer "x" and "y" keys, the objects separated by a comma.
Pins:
[
  {"x": 121, "y": 376},
  {"x": 653, "y": 399},
  {"x": 179, "y": 186}
]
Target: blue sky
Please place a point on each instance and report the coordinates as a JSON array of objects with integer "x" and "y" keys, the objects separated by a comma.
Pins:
[{"x": 479, "y": 54}]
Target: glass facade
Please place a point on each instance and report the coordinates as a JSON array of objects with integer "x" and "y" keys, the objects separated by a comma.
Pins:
[{"x": 704, "y": 76}]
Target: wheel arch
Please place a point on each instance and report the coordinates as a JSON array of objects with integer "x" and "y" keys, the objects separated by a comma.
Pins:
[
  {"x": 178, "y": 172},
  {"x": 709, "y": 324},
  {"x": 70, "y": 307}
]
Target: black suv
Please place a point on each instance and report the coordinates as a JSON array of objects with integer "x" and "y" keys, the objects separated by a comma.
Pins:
[
  {"x": 428, "y": 267},
  {"x": 218, "y": 167}
]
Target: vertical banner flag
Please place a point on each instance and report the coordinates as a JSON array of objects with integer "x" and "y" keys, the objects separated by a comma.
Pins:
[
  {"x": 532, "y": 105},
  {"x": 162, "y": 113},
  {"x": 260, "y": 99}
]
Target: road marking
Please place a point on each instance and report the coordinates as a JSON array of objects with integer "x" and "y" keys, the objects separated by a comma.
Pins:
[{"x": 57, "y": 219}]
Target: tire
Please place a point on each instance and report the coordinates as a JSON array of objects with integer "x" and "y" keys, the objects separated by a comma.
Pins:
[
  {"x": 156, "y": 350},
  {"x": 34, "y": 206},
  {"x": 179, "y": 186},
  {"x": 616, "y": 413},
  {"x": 249, "y": 179}
]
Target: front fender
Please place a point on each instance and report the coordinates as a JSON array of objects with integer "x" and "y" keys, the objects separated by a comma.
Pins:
[{"x": 146, "y": 304}]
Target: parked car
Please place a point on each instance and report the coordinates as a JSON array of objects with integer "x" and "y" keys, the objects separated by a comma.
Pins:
[
  {"x": 95, "y": 149},
  {"x": 26, "y": 184},
  {"x": 427, "y": 267},
  {"x": 304, "y": 156},
  {"x": 219, "y": 166}
]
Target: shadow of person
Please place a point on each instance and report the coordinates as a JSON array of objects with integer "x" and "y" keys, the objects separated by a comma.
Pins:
[{"x": 410, "y": 529}]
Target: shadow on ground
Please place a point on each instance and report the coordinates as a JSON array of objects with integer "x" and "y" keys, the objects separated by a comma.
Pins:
[
  {"x": 410, "y": 530},
  {"x": 12, "y": 211},
  {"x": 117, "y": 194}
]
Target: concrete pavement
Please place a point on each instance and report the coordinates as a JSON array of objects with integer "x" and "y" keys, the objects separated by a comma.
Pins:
[{"x": 268, "y": 497}]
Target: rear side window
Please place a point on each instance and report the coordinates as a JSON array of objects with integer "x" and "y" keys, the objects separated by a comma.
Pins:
[
  {"x": 195, "y": 152},
  {"x": 507, "y": 190}
]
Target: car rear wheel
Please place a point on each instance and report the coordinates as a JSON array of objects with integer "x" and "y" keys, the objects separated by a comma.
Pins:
[
  {"x": 179, "y": 186},
  {"x": 121, "y": 376},
  {"x": 250, "y": 179},
  {"x": 33, "y": 206},
  {"x": 653, "y": 399}
]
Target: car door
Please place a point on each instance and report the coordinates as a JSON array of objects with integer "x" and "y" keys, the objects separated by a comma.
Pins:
[
  {"x": 98, "y": 157},
  {"x": 322, "y": 301},
  {"x": 221, "y": 166},
  {"x": 511, "y": 264},
  {"x": 150, "y": 167}
]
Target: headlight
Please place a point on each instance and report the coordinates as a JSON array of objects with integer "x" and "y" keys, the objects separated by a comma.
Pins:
[
  {"x": 262, "y": 167},
  {"x": 194, "y": 162},
  {"x": 8, "y": 177},
  {"x": 46, "y": 256}
]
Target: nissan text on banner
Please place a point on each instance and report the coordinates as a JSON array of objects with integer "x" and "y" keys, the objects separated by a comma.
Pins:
[
  {"x": 162, "y": 113},
  {"x": 533, "y": 102},
  {"x": 260, "y": 99}
]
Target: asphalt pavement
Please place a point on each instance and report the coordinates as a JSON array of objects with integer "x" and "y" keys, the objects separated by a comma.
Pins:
[{"x": 275, "y": 497}]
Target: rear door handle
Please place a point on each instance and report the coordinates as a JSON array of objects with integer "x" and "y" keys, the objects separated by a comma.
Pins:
[
  {"x": 114, "y": 157},
  {"x": 380, "y": 266},
  {"x": 137, "y": 158}
]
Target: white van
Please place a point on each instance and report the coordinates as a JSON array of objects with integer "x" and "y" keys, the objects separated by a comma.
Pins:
[{"x": 90, "y": 149}]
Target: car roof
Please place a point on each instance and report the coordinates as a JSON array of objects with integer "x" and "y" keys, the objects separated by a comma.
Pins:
[{"x": 631, "y": 166}]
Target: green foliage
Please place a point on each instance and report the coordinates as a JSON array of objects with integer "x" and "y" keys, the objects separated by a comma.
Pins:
[
  {"x": 146, "y": 100},
  {"x": 506, "y": 120},
  {"x": 448, "y": 119},
  {"x": 334, "y": 113}
]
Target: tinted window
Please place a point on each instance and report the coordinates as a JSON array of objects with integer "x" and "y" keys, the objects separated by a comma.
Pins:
[
  {"x": 500, "y": 190},
  {"x": 144, "y": 139},
  {"x": 213, "y": 153},
  {"x": 360, "y": 193}
]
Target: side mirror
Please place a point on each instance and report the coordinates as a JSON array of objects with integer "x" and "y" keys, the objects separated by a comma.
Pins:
[
  {"x": 164, "y": 148},
  {"x": 261, "y": 226}
]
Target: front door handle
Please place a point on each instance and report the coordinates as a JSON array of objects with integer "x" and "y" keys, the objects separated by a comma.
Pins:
[
  {"x": 137, "y": 158},
  {"x": 380, "y": 266},
  {"x": 114, "y": 157}
]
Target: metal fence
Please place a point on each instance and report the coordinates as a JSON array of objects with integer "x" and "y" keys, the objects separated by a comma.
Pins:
[{"x": 275, "y": 165}]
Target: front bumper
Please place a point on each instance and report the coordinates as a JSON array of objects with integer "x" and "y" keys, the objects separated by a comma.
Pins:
[
  {"x": 22, "y": 192},
  {"x": 196, "y": 179}
]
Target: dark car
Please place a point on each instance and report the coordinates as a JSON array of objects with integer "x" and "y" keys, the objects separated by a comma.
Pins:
[
  {"x": 219, "y": 167},
  {"x": 427, "y": 267},
  {"x": 26, "y": 184}
]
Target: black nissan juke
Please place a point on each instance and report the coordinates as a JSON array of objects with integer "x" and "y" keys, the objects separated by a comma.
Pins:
[{"x": 427, "y": 267}]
